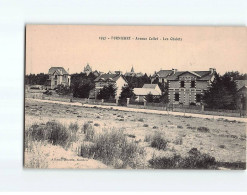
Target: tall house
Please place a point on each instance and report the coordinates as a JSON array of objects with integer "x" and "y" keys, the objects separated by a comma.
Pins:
[
  {"x": 106, "y": 79},
  {"x": 187, "y": 87},
  {"x": 58, "y": 76}
]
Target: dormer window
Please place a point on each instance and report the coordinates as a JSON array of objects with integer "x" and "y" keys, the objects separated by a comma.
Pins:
[
  {"x": 182, "y": 84},
  {"x": 193, "y": 84}
]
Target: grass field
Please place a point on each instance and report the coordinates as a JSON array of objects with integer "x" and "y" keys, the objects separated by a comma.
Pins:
[{"x": 131, "y": 140}]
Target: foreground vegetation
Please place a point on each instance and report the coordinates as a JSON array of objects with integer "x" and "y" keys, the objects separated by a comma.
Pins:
[{"x": 63, "y": 136}]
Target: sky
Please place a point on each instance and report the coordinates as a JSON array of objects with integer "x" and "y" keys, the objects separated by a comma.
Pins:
[{"x": 179, "y": 47}]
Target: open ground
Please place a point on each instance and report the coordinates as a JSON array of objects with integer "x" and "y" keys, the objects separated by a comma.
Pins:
[{"x": 222, "y": 139}]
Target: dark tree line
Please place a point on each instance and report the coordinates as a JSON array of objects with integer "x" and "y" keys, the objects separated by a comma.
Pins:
[
  {"x": 36, "y": 79},
  {"x": 137, "y": 82},
  {"x": 222, "y": 93},
  {"x": 81, "y": 84}
]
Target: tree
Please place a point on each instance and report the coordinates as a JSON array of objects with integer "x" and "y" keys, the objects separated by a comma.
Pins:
[
  {"x": 108, "y": 92},
  {"x": 127, "y": 92},
  {"x": 63, "y": 90},
  {"x": 222, "y": 93},
  {"x": 235, "y": 75},
  {"x": 149, "y": 97}
]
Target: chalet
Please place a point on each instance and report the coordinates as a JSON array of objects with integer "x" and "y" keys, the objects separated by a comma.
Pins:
[
  {"x": 141, "y": 93},
  {"x": 187, "y": 87},
  {"x": 106, "y": 79},
  {"x": 58, "y": 76},
  {"x": 162, "y": 75}
]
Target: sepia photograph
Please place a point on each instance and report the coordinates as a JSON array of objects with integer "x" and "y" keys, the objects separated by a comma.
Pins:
[{"x": 135, "y": 97}]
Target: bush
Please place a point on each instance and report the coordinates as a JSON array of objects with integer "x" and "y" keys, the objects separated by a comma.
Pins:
[
  {"x": 145, "y": 125},
  {"x": 54, "y": 132},
  {"x": 74, "y": 127},
  {"x": 112, "y": 148},
  {"x": 89, "y": 132},
  {"x": 195, "y": 160},
  {"x": 203, "y": 129},
  {"x": 159, "y": 142}
]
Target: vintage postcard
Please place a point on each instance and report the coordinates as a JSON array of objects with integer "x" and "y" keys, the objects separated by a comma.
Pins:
[{"x": 135, "y": 97}]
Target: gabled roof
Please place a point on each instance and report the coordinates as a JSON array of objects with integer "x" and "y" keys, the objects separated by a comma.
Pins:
[
  {"x": 150, "y": 86},
  {"x": 201, "y": 75},
  {"x": 145, "y": 91},
  {"x": 163, "y": 73},
  {"x": 241, "y": 83},
  {"x": 59, "y": 70},
  {"x": 109, "y": 77}
]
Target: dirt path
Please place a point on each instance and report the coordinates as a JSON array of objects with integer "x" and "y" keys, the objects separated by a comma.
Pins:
[{"x": 161, "y": 112}]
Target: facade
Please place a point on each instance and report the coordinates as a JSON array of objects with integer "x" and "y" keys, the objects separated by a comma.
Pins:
[
  {"x": 141, "y": 93},
  {"x": 162, "y": 75},
  {"x": 187, "y": 87},
  {"x": 106, "y": 79},
  {"x": 58, "y": 76}
]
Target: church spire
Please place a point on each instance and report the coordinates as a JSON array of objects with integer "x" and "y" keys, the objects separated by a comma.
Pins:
[{"x": 132, "y": 69}]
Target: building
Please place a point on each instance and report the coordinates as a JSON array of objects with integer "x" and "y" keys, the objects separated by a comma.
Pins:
[
  {"x": 162, "y": 75},
  {"x": 133, "y": 74},
  {"x": 240, "y": 83},
  {"x": 58, "y": 76},
  {"x": 87, "y": 69},
  {"x": 141, "y": 93},
  {"x": 106, "y": 79},
  {"x": 187, "y": 87}
]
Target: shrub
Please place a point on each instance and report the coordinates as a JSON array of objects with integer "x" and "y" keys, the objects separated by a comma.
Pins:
[
  {"x": 141, "y": 120},
  {"x": 89, "y": 132},
  {"x": 145, "y": 125},
  {"x": 195, "y": 160},
  {"x": 54, "y": 132},
  {"x": 74, "y": 127},
  {"x": 159, "y": 142},
  {"x": 112, "y": 148},
  {"x": 203, "y": 129},
  {"x": 178, "y": 141},
  {"x": 96, "y": 124}
]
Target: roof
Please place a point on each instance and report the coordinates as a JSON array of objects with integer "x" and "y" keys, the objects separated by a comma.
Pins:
[
  {"x": 150, "y": 86},
  {"x": 201, "y": 75},
  {"x": 60, "y": 70},
  {"x": 145, "y": 91},
  {"x": 241, "y": 83},
  {"x": 163, "y": 73},
  {"x": 109, "y": 77}
]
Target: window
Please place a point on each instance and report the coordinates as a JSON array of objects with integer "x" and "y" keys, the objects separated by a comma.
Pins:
[
  {"x": 182, "y": 84},
  {"x": 162, "y": 80},
  {"x": 55, "y": 76},
  {"x": 176, "y": 97},
  {"x": 198, "y": 97},
  {"x": 193, "y": 84},
  {"x": 55, "y": 82}
]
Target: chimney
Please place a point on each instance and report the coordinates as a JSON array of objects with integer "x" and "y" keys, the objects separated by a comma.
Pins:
[
  {"x": 174, "y": 71},
  {"x": 212, "y": 70}
]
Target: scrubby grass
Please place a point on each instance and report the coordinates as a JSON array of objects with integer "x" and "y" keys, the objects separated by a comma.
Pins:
[
  {"x": 53, "y": 132},
  {"x": 89, "y": 132},
  {"x": 74, "y": 127},
  {"x": 194, "y": 160},
  {"x": 159, "y": 142},
  {"x": 113, "y": 148},
  {"x": 203, "y": 129}
]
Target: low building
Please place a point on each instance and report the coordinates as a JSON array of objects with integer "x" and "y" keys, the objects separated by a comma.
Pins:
[
  {"x": 58, "y": 76},
  {"x": 106, "y": 79},
  {"x": 188, "y": 87},
  {"x": 240, "y": 83},
  {"x": 141, "y": 93}
]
